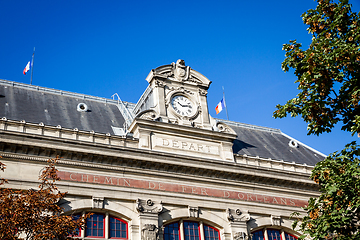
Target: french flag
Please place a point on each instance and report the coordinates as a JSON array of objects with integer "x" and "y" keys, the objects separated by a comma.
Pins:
[
  {"x": 220, "y": 106},
  {"x": 27, "y": 68}
]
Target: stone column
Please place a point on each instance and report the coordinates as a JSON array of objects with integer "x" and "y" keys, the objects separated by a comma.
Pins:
[
  {"x": 238, "y": 223},
  {"x": 149, "y": 218}
]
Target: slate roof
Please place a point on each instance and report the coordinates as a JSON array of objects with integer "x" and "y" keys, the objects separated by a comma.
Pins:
[
  {"x": 271, "y": 143},
  {"x": 53, "y": 107}
]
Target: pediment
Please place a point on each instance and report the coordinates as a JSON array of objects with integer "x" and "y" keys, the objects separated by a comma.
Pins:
[{"x": 179, "y": 72}]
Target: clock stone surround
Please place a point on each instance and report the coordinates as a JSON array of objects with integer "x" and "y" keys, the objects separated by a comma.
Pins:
[{"x": 169, "y": 130}]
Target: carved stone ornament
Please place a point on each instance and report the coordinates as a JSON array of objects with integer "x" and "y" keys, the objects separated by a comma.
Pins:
[
  {"x": 193, "y": 212},
  {"x": 222, "y": 127},
  {"x": 237, "y": 215},
  {"x": 179, "y": 90},
  {"x": 98, "y": 202},
  {"x": 240, "y": 236},
  {"x": 203, "y": 92},
  {"x": 149, "y": 232},
  {"x": 275, "y": 220},
  {"x": 181, "y": 72},
  {"x": 148, "y": 115},
  {"x": 159, "y": 83},
  {"x": 148, "y": 206}
]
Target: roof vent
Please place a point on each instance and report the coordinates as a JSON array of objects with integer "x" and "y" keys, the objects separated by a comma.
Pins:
[
  {"x": 82, "y": 107},
  {"x": 293, "y": 144}
]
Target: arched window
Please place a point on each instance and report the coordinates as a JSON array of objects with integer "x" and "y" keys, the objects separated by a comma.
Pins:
[
  {"x": 104, "y": 226},
  {"x": 272, "y": 234},
  {"x": 191, "y": 230}
]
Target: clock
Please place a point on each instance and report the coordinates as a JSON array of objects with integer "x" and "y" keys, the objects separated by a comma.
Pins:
[{"x": 182, "y": 105}]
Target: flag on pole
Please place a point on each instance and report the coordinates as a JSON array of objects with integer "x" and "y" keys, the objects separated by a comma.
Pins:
[
  {"x": 220, "y": 106},
  {"x": 27, "y": 68}
]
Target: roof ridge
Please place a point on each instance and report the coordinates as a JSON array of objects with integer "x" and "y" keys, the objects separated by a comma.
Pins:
[
  {"x": 58, "y": 92},
  {"x": 251, "y": 126}
]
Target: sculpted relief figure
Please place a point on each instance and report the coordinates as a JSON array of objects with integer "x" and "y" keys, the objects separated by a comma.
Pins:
[
  {"x": 181, "y": 72},
  {"x": 149, "y": 232}
]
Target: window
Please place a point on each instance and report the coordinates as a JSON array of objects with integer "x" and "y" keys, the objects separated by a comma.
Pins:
[
  {"x": 290, "y": 237},
  {"x": 77, "y": 232},
  {"x": 118, "y": 228},
  {"x": 191, "y": 230},
  {"x": 272, "y": 234},
  {"x": 95, "y": 226},
  {"x": 103, "y": 226},
  {"x": 258, "y": 235},
  {"x": 211, "y": 233},
  {"x": 172, "y": 232}
]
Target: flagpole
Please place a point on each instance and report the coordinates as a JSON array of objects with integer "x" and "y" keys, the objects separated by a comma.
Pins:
[
  {"x": 32, "y": 66},
  {"x": 227, "y": 115}
]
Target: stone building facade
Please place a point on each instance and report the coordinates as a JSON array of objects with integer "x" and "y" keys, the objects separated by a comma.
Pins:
[{"x": 160, "y": 169}]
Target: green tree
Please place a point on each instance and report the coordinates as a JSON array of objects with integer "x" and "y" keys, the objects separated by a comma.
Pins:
[
  {"x": 328, "y": 77},
  {"x": 34, "y": 214}
]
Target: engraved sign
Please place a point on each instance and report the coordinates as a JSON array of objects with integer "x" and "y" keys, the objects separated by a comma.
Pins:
[
  {"x": 186, "y": 145},
  {"x": 179, "y": 188}
]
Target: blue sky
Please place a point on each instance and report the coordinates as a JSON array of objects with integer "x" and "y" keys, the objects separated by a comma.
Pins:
[{"x": 105, "y": 47}]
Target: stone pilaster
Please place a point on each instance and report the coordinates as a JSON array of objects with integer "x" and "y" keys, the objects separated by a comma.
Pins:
[
  {"x": 238, "y": 223},
  {"x": 148, "y": 216}
]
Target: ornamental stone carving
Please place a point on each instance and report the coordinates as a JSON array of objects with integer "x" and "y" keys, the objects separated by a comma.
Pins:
[
  {"x": 149, "y": 115},
  {"x": 275, "y": 220},
  {"x": 172, "y": 90},
  {"x": 222, "y": 127},
  {"x": 149, "y": 232},
  {"x": 193, "y": 212},
  {"x": 236, "y": 215},
  {"x": 203, "y": 92},
  {"x": 148, "y": 206},
  {"x": 98, "y": 202},
  {"x": 159, "y": 83},
  {"x": 181, "y": 72},
  {"x": 240, "y": 236}
]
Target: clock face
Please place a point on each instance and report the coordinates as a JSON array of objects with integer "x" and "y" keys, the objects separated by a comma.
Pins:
[{"x": 182, "y": 105}]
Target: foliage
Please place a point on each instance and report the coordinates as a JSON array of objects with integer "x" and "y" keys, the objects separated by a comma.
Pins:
[
  {"x": 336, "y": 212},
  {"x": 328, "y": 77},
  {"x": 34, "y": 214},
  {"x": 328, "y": 71}
]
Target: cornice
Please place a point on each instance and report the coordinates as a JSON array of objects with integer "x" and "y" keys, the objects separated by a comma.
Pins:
[
  {"x": 32, "y": 147},
  {"x": 174, "y": 128}
]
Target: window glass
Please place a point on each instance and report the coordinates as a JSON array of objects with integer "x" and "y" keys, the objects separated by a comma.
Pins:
[
  {"x": 77, "y": 232},
  {"x": 191, "y": 231},
  {"x": 95, "y": 226},
  {"x": 258, "y": 235},
  {"x": 171, "y": 232},
  {"x": 211, "y": 233},
  {"x": 289, "y": 237},
  {"x": 273, "y": 234},
  {"x": 117, "y": 228}
]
